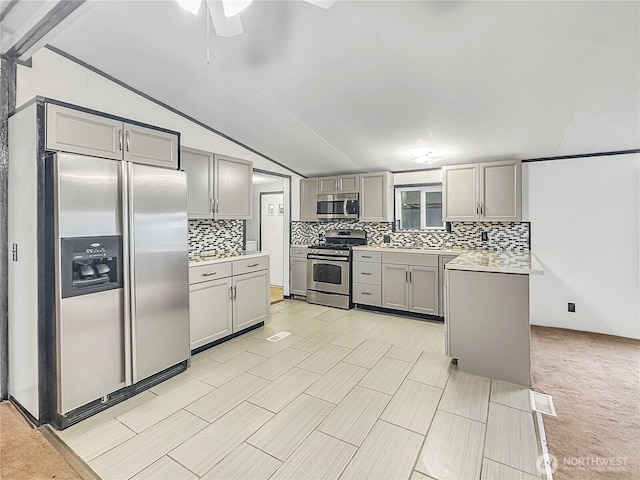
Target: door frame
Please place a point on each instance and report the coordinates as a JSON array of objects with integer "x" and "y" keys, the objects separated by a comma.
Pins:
[{"x": 286, "y": 190}]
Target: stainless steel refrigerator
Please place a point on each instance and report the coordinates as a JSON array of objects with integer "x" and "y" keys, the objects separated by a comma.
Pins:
[{"x": 121, "y": 269}]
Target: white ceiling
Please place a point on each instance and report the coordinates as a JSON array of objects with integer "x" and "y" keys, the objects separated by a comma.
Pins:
[{"x": 368, "y": 85}]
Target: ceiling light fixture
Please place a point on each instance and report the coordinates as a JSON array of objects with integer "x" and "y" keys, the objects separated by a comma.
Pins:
[
  {"x": 191, "y": 6},
  {"x": 426, "y": 158}
]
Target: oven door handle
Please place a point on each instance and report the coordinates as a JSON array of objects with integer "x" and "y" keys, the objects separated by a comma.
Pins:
[{"x": 329, "y": 259}]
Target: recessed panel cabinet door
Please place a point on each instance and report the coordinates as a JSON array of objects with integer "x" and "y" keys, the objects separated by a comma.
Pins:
[
  {"x": 199, "y": 168},
  {"x": 500, "y": 191},
  {"x": 394, "y": 286},
  {"x": 210, "y": 316},
  {"x": 73, "y": 131},
  {"x": 376, "y": 197},
  {"x": 149, "y": 146},
  {"x": 233, "y": 189},
  {"x": 460, "y": 192},
  {"x": 251, "y": 302},
  {"x": 328, "y": 185},
  {"x": 308, "y": 199},
  {"x": 298, "y": 276},
  {"x": 423, "y": 289},
  {"x": 349, "y": 184}
]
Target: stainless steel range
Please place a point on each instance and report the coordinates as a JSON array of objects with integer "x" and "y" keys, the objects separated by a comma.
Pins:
[{"x": 329, "y": 268}]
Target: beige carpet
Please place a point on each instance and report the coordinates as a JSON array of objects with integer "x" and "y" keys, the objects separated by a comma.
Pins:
[
  {"x": 595, "y": 383},
  {"x": 25, "y": 453}
]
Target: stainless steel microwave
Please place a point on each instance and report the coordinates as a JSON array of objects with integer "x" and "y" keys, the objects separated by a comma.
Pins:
[{"x": 338, "y": 206}]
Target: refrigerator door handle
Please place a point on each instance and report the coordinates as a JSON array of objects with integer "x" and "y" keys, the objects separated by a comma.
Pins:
[
  {"x": 124, "y": 180},
  {"x": 131, "y": 271}
]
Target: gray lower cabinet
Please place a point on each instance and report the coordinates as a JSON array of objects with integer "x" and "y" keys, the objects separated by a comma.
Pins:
[
  {"x": 210, "y": 311},
  {"x": 308, "y": 199},
  {"x": 75, "y": 131},
  {"x": 227, "y": 297},
  {"x": 410, "y": 282},
  {"x": 251, "y": 303},
  {"x": 298, "y": 271}
]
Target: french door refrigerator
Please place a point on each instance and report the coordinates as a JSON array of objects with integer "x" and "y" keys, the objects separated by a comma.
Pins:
[{"x": 121, "y": 279}]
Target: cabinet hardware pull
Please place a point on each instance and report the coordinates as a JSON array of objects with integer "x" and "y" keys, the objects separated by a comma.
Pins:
[
  {"x": 231, "y": 293},
  {"x": 366, "y": 273},
  {"x": 216, "y": 205},
  {"x": 482, "y": 208},
  {"x": 208, "y": 274},
  {"x": 211, "y": 207},
  {"x": 409, "y": 277},
  {"x": 406, "y": 276},
  {"x": 235, "y": 292},
  {"x": 14, "y": 252},
  {"x": 366, "y": 256},
  {"x": 477, "y": 208},
  {"x": 253, "y": 265},
  {"x": 120, "y": 139},
  {"x": 366, "y": 293},
  {"x": 128, "y": 140}
]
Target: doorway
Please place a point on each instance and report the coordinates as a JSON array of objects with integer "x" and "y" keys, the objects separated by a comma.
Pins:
[{"x": 268, "y": 231}]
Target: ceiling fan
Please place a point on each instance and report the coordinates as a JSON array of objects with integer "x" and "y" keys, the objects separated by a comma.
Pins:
[{"x": 225, "y": 14}]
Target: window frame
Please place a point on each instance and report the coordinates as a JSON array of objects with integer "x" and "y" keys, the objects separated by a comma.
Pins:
[{"x": 397, "y": 207}]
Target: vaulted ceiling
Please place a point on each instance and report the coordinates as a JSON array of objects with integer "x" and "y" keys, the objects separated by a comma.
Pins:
[{"x": 368, "y": 85}]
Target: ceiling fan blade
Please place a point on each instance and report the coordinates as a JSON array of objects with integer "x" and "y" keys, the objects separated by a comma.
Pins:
[
  {"x": 234, "y": 7},
  {"x": 321, "y": 3},
  {"x": 223, "y": 25}
]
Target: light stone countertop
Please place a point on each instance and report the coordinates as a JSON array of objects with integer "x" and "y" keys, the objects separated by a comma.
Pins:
[
  {"x": 210, "y": 258},
  {"x": 524, "y": 263},
  {"x": 427, "y": 250}
]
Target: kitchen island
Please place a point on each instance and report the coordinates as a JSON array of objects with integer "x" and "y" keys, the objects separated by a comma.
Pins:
[{"x": 487, "y": 313}]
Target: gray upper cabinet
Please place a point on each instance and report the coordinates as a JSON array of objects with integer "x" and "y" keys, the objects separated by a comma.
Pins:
[
  {"x": 341, "y": 184},
  {"x": 308, "y": 199},
  {"x": 199, "y": 168},
  {"x": 73, "y": 131},
  {"x": 218, "y": 187},
  {"x": 460, "y": 193},
  {"x": 149, "y": 146},
  {"x": 501, "y": 191},
  {"x": 483, "y": 192},
  {"x": 376, "y": 197},
  {"x": 233, "y": 188}
]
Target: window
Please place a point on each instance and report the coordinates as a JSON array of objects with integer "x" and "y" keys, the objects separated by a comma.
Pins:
[{"x": 419, "y": 207}]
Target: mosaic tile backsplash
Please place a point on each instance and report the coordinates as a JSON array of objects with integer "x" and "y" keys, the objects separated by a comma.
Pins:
[
  {"x": 501, "y": 235},
  {"x": 215, "y": 236}
]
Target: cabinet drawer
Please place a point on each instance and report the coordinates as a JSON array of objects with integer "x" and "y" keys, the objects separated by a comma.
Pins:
[
  {"x": 367, "y": 272},
  {"x": 203, "y": 273},
  {"x": 298, "y": 252},
  {"x": 366, "y": 256},
  {"x": 250, "y": 265},
  {"x": 424, "y": 259},
  {"x": 367, "y": 294}
]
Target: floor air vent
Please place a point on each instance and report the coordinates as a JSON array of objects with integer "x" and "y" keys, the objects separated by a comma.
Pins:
[
  {"x": 542, "y": 403},
  {"x": 278, "y": 336}
]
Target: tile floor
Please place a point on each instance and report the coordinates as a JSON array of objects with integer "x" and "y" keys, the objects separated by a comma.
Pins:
[{"x": 349, "y": 394}]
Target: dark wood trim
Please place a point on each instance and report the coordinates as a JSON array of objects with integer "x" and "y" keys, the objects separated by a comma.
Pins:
[
  {"x": 164, "y": 105},
  {"x": 273, "y": 174},
  {"x": 582, "y": 155}
]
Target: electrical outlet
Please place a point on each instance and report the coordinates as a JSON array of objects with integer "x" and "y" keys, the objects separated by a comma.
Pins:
[
  {"x": 571, "y": 307},
  {"x": 484, "y": 236}
]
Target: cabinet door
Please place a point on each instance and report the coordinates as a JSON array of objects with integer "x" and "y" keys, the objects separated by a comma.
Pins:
[
  {"x": 210, "y": 311},
  {"x": 308, "y": 199},
  {"x": 251, "y": 299},
  {"x": 394, "y": 287},
  {"x": 298, "y": 276},
  {"x": 73, "y": 131},
  {"x": 328, "y": 185},
  {"x": 376, "y": 197},
  {"x": 233, "y": 191},
  {"x": 460, "y": 193},
  {"x": 151, "y": 147},
  {"x": 349, "y": 184},
  {"x": 500, "y": 191},
  {"x": 423, "y": 289},
  {"x": 199, "y": 168}
]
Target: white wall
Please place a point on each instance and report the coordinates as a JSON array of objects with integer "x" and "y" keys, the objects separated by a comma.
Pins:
[
  {"x": 585, "y": 230},
  {"x": 56, "y": 77}
]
